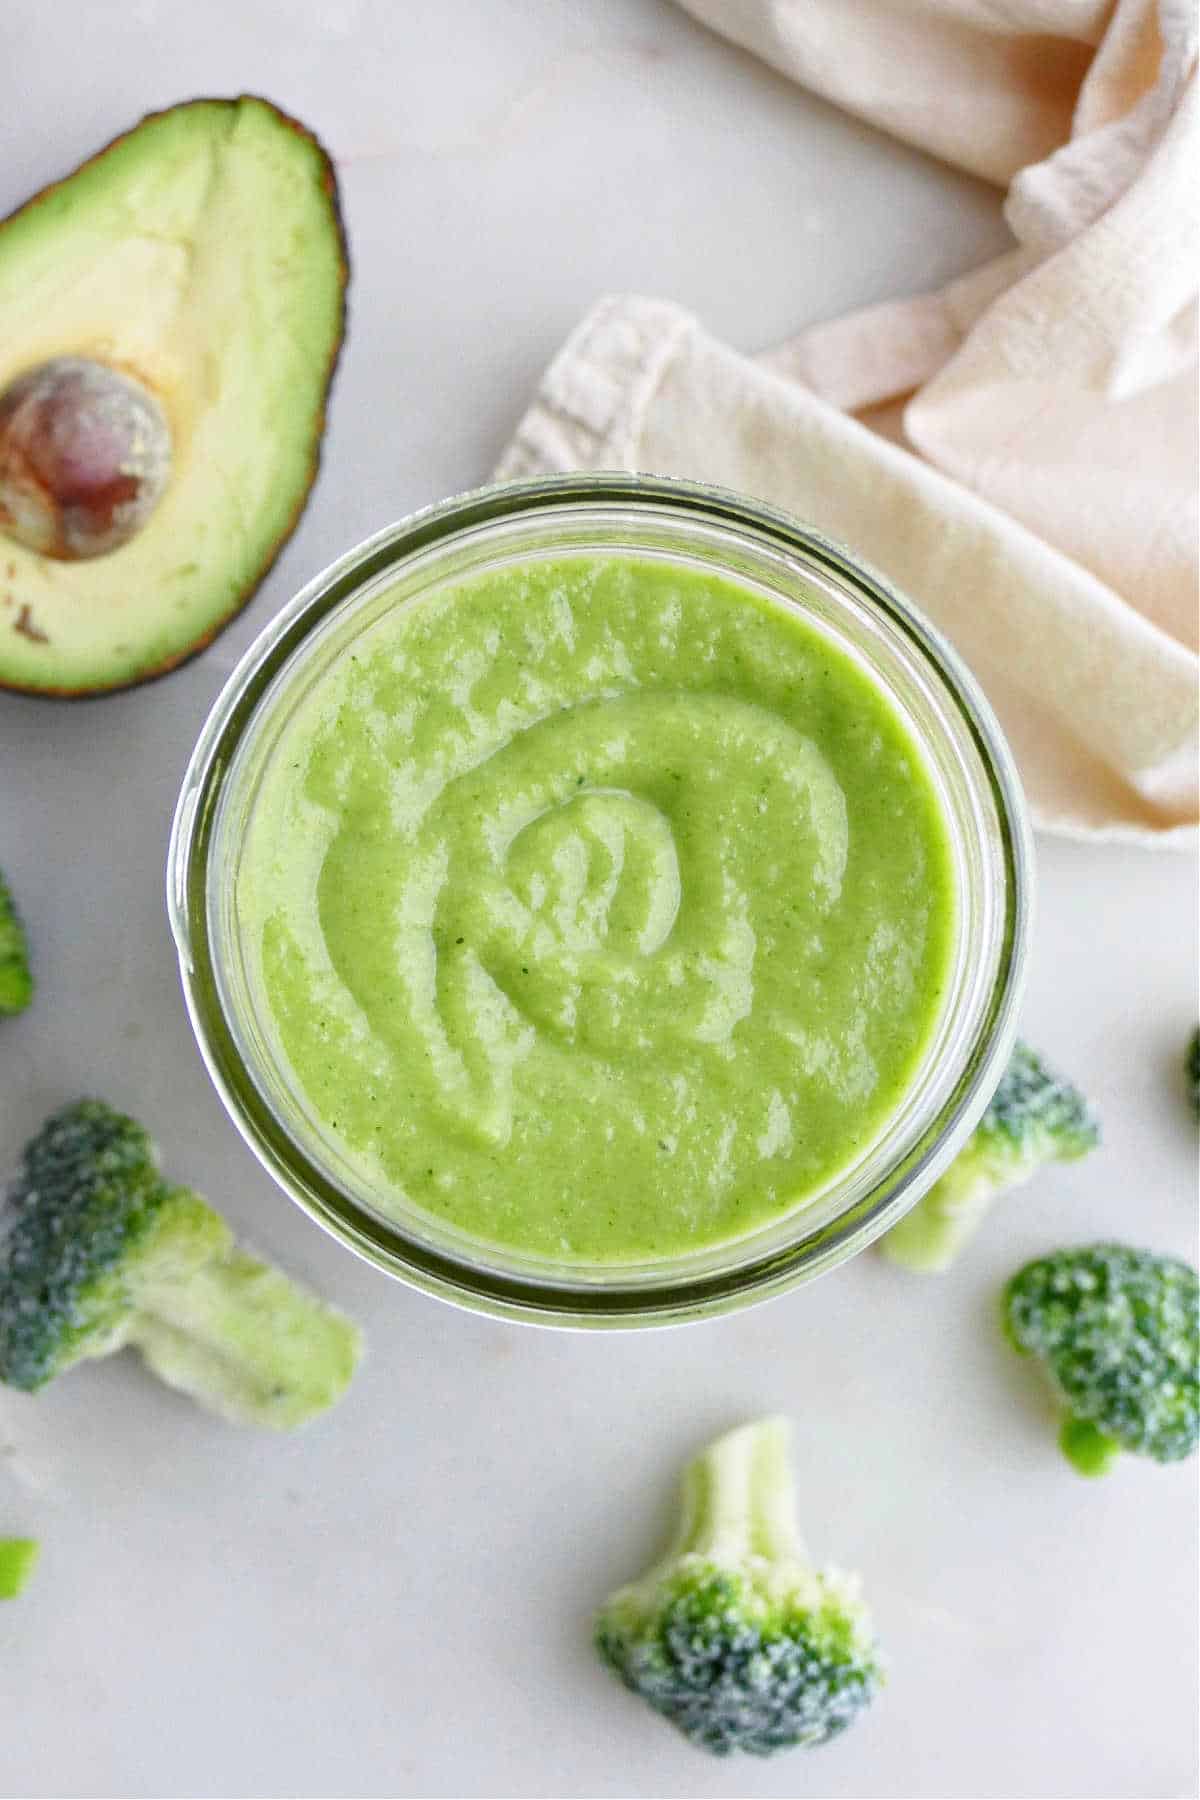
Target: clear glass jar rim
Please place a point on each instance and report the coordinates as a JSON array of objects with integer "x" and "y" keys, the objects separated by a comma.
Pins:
[{"x": 247, "y": 697}]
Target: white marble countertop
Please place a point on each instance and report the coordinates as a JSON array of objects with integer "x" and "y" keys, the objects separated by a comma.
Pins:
[{"x": 396, "y": 1602}]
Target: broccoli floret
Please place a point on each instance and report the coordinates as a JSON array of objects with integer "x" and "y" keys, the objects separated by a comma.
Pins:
[
  {"x": 1119, "y": 1332},
  {"x": 16, "y": 982},
  {"x": 735, "y": 1637},
  {"x": 97, "y": 1252},
  {"x": 1034, "y": 1117},
  {"x": 1191, "y": 1068}
]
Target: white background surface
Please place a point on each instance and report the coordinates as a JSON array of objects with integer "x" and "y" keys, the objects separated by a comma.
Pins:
[{"x": 397, "y": 1602}]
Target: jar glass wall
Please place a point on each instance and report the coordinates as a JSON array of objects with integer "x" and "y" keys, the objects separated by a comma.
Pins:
[{"x": 690, "y": 527}]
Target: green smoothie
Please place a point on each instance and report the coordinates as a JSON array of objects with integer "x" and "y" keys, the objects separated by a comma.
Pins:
[{"x": 598, "y": 907}]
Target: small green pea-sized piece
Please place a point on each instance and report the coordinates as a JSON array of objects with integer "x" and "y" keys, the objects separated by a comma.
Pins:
[
  {"x": 735, "y": 1637},
  {"x": 97, "y": 1252},
  {"x": 16, "y": 980},
  {"x": 1035, "y": 1117},
  {"x": 1118, "y": 1332},
  {"x": 17, "y": 1559},
  {"x": 1090, "y": 1450},
  {"x": 1191, "y": 1069}
]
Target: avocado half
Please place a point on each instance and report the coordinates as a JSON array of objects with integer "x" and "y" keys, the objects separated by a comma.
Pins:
[{"x": 179, "y": 303}]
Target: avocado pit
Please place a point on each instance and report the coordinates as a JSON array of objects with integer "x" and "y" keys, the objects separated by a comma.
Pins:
[{"x": 85, "y": 455}]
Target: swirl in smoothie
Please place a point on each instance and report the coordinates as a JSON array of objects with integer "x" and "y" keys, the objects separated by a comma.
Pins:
[{"x": 599, "y": 907}]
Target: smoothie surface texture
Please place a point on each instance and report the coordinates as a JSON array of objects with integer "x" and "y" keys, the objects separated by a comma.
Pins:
[{"x": 597, "y": 907}]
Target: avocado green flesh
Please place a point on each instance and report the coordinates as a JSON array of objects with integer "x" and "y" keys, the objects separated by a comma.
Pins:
[
  {"x": 598, "y": 907},
  {"x": 202, "y": 255}
]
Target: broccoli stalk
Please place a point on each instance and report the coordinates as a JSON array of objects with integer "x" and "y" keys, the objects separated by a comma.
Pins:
[
  {"x": 17, "y": 1559},
  {"x": 98, "y": 1252},
  {"x": 244, "y": 1339},
  {"x": 1034, "y": 1117},
  {"x": 734, "y": 1636},
  {"x": 1118, "y": 1331},
  {"x": 1089, "y": 1450},
  {"x": 16, "y": 982}
]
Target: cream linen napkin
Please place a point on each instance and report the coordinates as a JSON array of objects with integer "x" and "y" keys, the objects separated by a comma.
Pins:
[{"x": 1036, "y": 493}]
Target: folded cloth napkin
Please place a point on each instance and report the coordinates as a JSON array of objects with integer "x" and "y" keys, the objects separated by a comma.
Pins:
[{"x": 1017, "y": 452}]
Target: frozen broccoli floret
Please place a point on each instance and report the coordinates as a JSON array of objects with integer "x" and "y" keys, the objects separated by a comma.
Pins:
[
  {"x": 17, "y": 1559},
  {"x": 1119, "y": 1332},
  {"x": 16, "y": 981},
  {"x": 735, "y": 1637},
  {"x": 1191, "y": 1068},
  {"x": 97, "y": 1252},
  {"x": 1034, "y": 1117}
]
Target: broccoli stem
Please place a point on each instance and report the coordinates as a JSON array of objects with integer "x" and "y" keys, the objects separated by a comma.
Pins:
[
  {"x": 929, "y": 1238},
  {"x": 1088, "y": 1449},
  {"x": 17, "y": 1558},
  {"x": 739, "y": 1498},
  {"x": 241, "y": 1338},
  {"x": 16, "y": 983}
]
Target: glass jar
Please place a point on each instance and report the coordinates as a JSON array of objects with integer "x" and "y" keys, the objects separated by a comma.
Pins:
[{"x": 596, "y": 514}]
